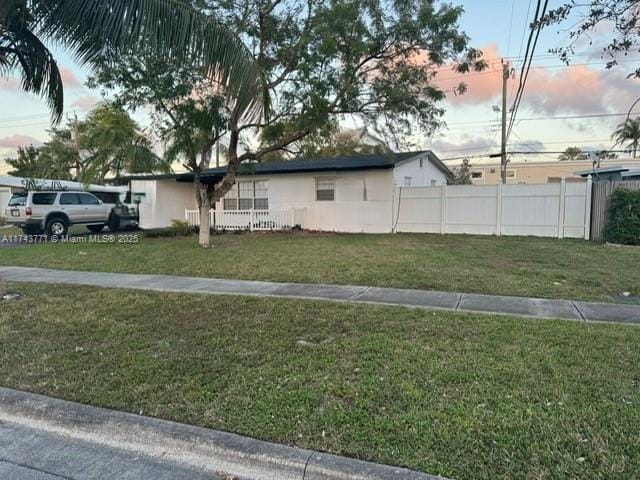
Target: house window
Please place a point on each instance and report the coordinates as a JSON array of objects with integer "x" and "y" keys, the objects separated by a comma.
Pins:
[
  {"x": 261, "y": 196},
  {"x": 325, "y": 189},
  {"x": 511, "y": 174},
  {"x": 230, "y": 201},
  {"x": 245, "y": 199},
  {"x": 433, "y": 183},
  {"x": 421, "y": 162},
  {"x": 477, "y": 174},
  {"x": 407, "y": 181},
  {"x": 247, "y": 196}
]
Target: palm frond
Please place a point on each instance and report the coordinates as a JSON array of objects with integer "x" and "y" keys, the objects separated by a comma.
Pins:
[
  {"x": 93, "y": 28},
  {"x": 21, "y": 49}
]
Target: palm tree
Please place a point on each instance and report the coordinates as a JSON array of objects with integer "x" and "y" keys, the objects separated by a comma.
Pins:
[
  {"x": 93, "y": 29},
  {"x": 628, "y": 134},
  {"x": 572, "y": 153}
]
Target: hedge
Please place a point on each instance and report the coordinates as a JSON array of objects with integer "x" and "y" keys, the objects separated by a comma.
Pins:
[{"x": 623, "y": 224}]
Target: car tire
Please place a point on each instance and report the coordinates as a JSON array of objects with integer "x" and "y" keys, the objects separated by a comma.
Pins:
[
  {"x": 95, "y": 228},
  {"x": 57, "y": 226},
  {"x": 114, "y": 222},
  {"x": 32, "y": 230}
]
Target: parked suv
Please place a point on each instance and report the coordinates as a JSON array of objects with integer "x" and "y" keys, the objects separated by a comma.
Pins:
[{"x": 53, "y": 212}]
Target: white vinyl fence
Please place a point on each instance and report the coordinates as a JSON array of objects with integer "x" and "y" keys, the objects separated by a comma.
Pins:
[
  {"x": 245, "y": 219},
  {"x": 545, "y": 210}
]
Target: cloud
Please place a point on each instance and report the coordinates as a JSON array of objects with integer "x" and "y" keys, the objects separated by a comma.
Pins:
[
  {"x": 16, "y": 140},
  {"x": 85, "y": 102},
  {"x": 465, "y": 146},
  {"x": 69, "y": 79},
  {"x": 574, "y": 89},
  {"x": 9, "y": 84},
  {"x": 482, "y": 87},
  {"x": 527, "y": 145}
]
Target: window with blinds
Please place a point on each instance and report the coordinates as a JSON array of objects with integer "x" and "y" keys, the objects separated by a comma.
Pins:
[
  {"x": 325, "y": 189},
  {"x": 247, "y": 196}
]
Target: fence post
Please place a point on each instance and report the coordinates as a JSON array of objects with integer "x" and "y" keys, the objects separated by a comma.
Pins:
[
  {"x": 443, "y": 209},
  {"x": 563, "y": 194},
  {"x": 251, "y": 220},
  {"x": 587, "y": 208},
  {"x": 499, "y": 209}
]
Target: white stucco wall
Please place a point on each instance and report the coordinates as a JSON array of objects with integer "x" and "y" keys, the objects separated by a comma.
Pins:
[
  {"x": 420, "y": 176},
  {"x": 164, "y": 201},
  {"x": 5, "y": 196},
  {"x": 349, "y": 212}
]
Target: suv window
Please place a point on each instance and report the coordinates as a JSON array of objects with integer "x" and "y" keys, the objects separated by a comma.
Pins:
[
  {"x": 88, "y": 199},
  {"x": 43, "y": 198},
  {"x": 107, "y": 197},
  {"x": 18, "y": 200},
  {"x": 69, "y": 199}
]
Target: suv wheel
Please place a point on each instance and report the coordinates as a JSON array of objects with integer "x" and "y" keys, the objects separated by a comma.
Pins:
[
  {"x": 57, "y": 226},
  {"x": 95, "y": 228},
  {"x": 114, "y": 222}
]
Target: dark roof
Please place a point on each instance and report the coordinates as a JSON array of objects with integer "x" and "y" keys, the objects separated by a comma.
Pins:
[
  {"x": 304, "y": 165},
  {"x": 612, "y": 169}
]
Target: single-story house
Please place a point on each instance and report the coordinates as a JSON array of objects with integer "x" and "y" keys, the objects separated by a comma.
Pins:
[
  {"x": 346, "y": 193},
  {"x": 605, "y": 174}
]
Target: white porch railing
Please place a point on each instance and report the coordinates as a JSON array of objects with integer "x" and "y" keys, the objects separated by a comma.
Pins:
[{"x": 244, "y": 219}]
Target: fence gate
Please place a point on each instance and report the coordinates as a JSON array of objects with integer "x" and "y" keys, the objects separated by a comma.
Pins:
[{"x": 601, "y": 200}]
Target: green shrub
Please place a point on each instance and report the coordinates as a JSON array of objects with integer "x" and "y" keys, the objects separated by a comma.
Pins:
[
  {"x": 178, "y": 228},
  {"x": 623, "y": 224},
  {"x": 181, "y": 228}
]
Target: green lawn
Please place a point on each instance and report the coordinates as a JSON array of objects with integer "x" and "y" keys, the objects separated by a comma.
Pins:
[
  {"x": 460, "y": 395},
  {"x": 524, "y": 266}
]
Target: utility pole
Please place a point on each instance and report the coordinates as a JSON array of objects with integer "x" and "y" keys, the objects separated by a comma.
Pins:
[
  {"x": 75, "y": 143},
  {"x": 506, "y": 73}
]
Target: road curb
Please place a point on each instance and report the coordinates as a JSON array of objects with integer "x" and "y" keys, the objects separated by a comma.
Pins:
[{"x": 212, "y": 450}]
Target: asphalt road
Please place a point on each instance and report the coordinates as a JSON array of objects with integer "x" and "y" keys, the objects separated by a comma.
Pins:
[{"x": 29, "y": 454}]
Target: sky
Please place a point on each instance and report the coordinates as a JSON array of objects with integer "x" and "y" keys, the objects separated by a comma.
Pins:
[{"x": 497, "y": 27}]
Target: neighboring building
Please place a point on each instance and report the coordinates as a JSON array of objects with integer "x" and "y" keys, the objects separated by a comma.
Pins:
[
  {"x": 5, "y": 196},
  {"x": 541, "y": 171},
  {"x": 614, "y": 173},
  {"x": 347, "y": 193}
]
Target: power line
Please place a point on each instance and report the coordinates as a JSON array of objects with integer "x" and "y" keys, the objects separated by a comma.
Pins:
[
  {"x": 513, "y": 5},
  {"x": 490, "y": 123},
  {"x": 524, "y": 32},
  {"x": 524, "y": 74}
]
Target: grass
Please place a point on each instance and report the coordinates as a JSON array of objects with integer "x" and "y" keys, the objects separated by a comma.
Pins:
[
  {"x": 522, "y": 266},
  {"x": 460, "y": 395}
]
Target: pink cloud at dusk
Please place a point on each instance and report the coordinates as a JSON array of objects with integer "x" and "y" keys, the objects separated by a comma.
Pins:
[
  {"x": 16, "y": 140},
  {"x": 69, "y": 79},
  {"x": 85, "y": 102},
  {"x": 574, "y": 89},
  {"x": 9, "y": 84}
]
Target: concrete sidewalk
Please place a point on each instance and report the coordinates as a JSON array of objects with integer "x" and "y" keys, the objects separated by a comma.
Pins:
[
  {"x": 42, "y": 438},
  {"x": 464, "y": 302}
]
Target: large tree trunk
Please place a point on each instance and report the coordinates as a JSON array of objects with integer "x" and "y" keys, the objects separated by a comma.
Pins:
[
  {"x": 204, "y": 206},
  {"x": 203, "y": 198},
  {"x": 204, "y": 237}
]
